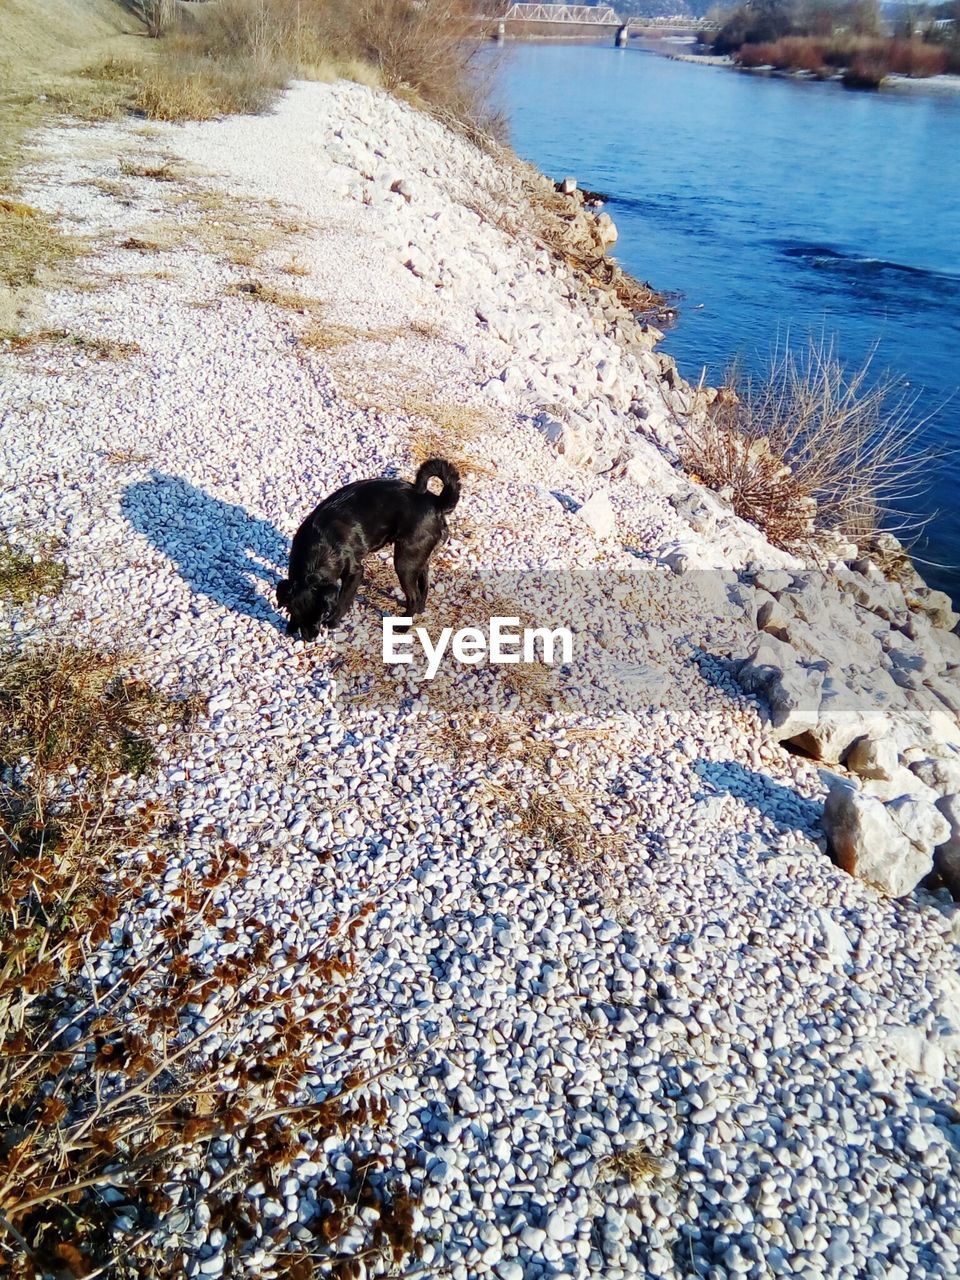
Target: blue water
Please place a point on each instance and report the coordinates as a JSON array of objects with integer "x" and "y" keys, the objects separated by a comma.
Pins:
[{"x": 775, "y": 207}]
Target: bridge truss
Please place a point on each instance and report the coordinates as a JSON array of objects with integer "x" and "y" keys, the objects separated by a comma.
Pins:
[{"x": 593, "y": 15}]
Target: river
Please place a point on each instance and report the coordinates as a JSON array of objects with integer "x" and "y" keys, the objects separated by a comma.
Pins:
[{"x": 776, "y": 208}]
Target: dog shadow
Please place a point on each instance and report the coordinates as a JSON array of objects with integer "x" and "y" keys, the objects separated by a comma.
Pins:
[{"x": 220, "y": 550}]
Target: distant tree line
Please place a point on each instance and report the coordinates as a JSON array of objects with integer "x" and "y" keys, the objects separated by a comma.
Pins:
[{"x": 844, "y": 37}]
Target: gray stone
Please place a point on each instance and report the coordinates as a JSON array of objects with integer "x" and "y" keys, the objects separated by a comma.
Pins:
[
  {"x": 509, "y": 1270},
  {"x": 939, "y": 609},
  {"x": 774, "y": 618},
  {"x": 606, "y": 230},
  {"x": 841, "y": 720},
  {"x": 867, "y": 842},
  {"x": 794, "y": 697},
  {"x": 922, "y": 823},
  {"x": 873, "y": 758},
  {"x": 947, "y": 856},
  {"x": 774, "y": 581},
  {"x": 768, "y": 660}
]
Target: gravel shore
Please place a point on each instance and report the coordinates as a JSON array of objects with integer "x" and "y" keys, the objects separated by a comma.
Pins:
[{"x": 691, "y": 1047}]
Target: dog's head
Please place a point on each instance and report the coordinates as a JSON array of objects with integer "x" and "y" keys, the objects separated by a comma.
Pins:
[{"x": 309, "y": 603}]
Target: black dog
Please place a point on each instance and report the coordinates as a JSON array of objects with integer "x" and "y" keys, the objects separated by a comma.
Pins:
[{"x": 326, "y": 558}]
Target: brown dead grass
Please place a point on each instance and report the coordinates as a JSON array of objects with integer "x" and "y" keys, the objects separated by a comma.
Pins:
[
  {"x": 166, "y": 171},
  {"x": 288, "y": 299},
  {"x": 31, "y": 244},
  {"x": 453, "y": 432},
  {"x": 24, "y": 575},
  {"x": 96, "y": 348},
  {"x": 808, "y": 450},
  {"x": 635, "y": 1165}
]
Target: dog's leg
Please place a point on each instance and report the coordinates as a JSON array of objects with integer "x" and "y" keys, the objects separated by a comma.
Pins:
[
  {"x": 423, "y": 586},
  {"x": 408, "y": 573},
  {"x": 349, "y": 585}
]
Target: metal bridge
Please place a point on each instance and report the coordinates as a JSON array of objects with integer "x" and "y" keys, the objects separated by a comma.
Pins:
[{"x": 587, "y": 15}]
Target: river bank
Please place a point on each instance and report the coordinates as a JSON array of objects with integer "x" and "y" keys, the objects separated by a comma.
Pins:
[
  {"x": 693, "y": 164},
  {"x": 612, "y": 1010},
  {"x": 943, "y": 84}
]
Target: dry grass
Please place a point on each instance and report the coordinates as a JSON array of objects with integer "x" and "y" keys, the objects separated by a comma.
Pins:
[
  {"x": 67, "y": 708},
  {"x": 809, "y": 450},
  {"x": 25, "y": 575},
  {"x": 119, "y": 191},
  {"x": 425, "y": 52},
  {"x": 163, "y": 172},
  {"x": 452, "y": 429},
  {"x": 238, "y": 230},
  {"x": 125, "y": 457},
  {"x": 237, "y": 55},
  {"x": 635, "y": 1165},
  {"x": 288, "y": 299},
  {"x": 139, "y": 245},
  {"x": 294, "y": 267},
  {"x": 30, "y": 242},
  {"x": 96, "y": 348},
  {"x": 183, "y": 86},
  {"x": 328, "y": 337}
]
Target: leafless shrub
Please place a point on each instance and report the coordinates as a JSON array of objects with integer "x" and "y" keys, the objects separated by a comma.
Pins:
[{"x": 809, "y": 450}]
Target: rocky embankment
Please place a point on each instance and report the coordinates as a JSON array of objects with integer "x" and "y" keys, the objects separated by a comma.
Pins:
[{"x": 620, "y": 1010}]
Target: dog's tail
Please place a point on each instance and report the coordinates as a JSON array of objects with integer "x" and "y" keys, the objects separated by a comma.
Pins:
[{"x": 449, "y": 477}]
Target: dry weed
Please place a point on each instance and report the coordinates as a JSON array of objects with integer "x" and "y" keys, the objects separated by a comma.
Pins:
[
  {"x": 635, "y": 1165},
  {"x": 25, "y": 575},
  {"x": 295, "y": 267},
  {"x": 166, "y": 171},
  {"x": 111, "y": 1082},
  {"x": 96, "y": 348},
  {"x": 809, "y": 450},
  {"x": 452, "y": 426},
  {"x": 257, "y": 291},
  {"x": 30, "y": 242}
]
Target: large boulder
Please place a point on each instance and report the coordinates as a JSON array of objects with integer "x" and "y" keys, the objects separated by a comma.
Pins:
[
  {"x": 938, "y": 608},
  {"x": 794, "y": 698},
  {"x": 867, "y": 841},
  {"x": 874, "y": 758},
  {"x": 947, "y": 855},
  {"x": 942, "y": 774},
  {"x": 842, "y": 718},
  {"x": 769, "y": 660},
  {"x": 921, "y": 822}
]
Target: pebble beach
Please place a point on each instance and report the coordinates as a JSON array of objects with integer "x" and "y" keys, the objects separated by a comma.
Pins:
[{"x": 685, "y": 1044}]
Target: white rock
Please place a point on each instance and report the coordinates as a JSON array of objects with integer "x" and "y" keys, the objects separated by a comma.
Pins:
[{"x": 597, "y": 511}]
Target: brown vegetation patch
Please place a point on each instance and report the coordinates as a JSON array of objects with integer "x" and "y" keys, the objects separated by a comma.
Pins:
[
  {"x": 635, "y": 1165},
  {"x": 112, "y": 1082},
  {"x": 164, "y": 172},
  {"x": 452, "y": 429},
  {"x": 30, "y": 242},
  {"x": 25, "y": 575},
  {"x": 809, "y": 450},
  {"x": 96, "y": 348},
  {"x": 258, "y": 291}
]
